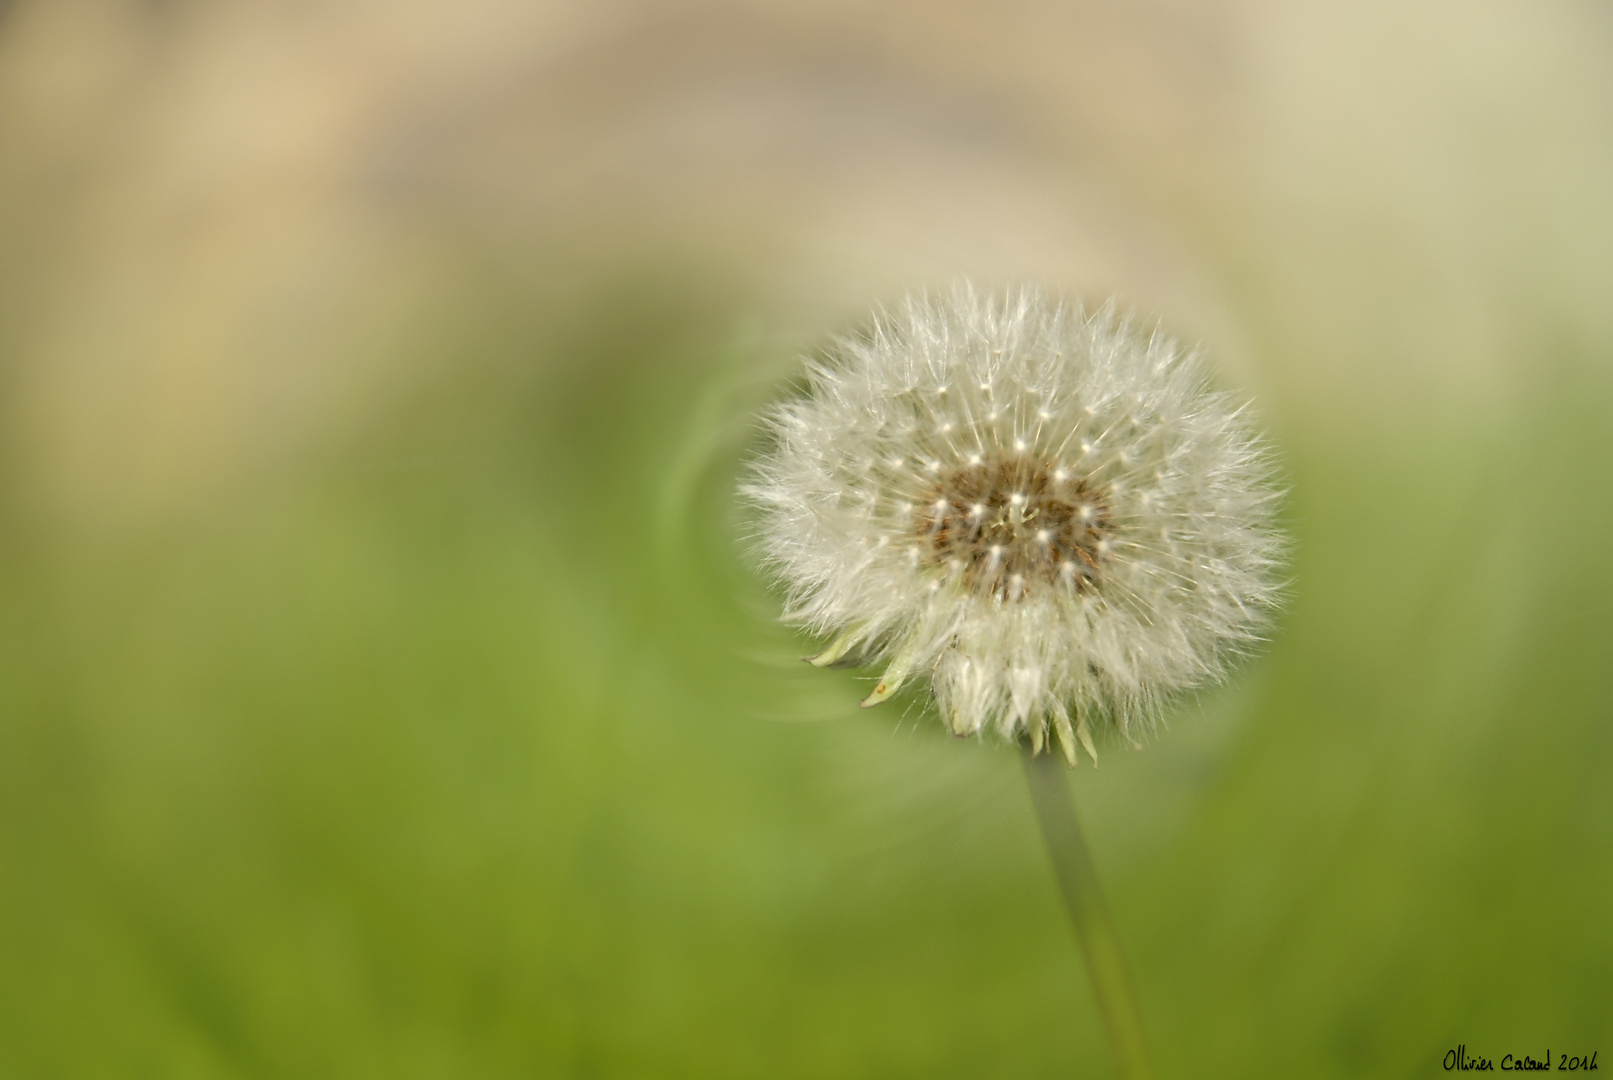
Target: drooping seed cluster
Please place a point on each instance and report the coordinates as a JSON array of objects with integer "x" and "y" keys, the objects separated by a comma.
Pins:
[{"x": 1046, "y": 512}]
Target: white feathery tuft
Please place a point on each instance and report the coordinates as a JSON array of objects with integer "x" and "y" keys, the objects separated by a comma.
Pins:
[{"x": 1045, "y": 511}]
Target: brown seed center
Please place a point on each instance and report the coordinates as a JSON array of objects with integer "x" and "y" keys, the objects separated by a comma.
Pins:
[{"x": 1010, "y": 525}]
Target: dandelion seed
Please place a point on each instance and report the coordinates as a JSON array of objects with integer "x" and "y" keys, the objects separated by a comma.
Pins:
[{"x": 1107, "y": 546}]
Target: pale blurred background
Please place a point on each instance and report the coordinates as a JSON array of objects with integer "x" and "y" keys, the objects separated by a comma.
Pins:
[{"x": 385, "y": 690}]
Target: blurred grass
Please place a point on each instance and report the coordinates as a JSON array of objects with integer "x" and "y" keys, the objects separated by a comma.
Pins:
[{"x": 467, "y": 746}]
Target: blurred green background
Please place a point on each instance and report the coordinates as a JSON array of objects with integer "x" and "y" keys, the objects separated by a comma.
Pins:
[{"x": 384, "y": 686}]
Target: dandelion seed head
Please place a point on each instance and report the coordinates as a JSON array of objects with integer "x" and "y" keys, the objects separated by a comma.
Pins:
[{"x": 1104, "y": 540}]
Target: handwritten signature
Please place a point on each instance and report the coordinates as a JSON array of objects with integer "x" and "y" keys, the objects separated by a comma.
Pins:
[{"x": 1459, "y": 1059}]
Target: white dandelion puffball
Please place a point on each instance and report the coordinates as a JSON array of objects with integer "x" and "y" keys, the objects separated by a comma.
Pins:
[{"x": 1046, "y": 512}]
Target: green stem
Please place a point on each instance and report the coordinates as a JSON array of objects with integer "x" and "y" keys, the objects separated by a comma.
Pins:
[{"x": 1078, "y": 880}]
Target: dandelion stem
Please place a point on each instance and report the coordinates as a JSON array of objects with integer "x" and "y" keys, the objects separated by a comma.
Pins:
[{"x": 1078, "y": 880}]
